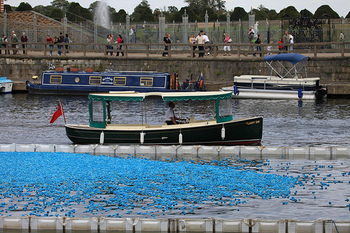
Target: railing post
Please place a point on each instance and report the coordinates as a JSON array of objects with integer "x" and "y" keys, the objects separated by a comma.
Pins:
[
  {"x": 215, "y": 51},
  {"x": 84, "y": 50},
  {"x": 126, "y": 50},
  {"x": 191, "y": 46},
  {"x": 169, "y": 50},
  {"x": 342, "y": 49},
  {"x": 147, "y": 50},
  {"x": 44, "y": 49},
  {"x": 239, "y": 50},
  {"x": 315, "y": 50}
]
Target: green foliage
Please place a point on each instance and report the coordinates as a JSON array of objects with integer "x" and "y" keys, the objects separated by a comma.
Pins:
[
  {"x": 177, "y": 17},
  {"x": 348, "y": 15},
  {"x": 289, "y": 13},
  {"x": 76, "y": 13},
  {"x": 306, "y": 14},
  {"x": 24, "y": 6},
  {"x": 142, "y": 12},
  {"x": 120, "y": 16},
  {"x": 325, "y": 12},
  {"x": 62, "y": 4},
  {"x": 56, "y": 14},
  {"x": 212, "y": 16},
  {"x": 239, "y": 13}
]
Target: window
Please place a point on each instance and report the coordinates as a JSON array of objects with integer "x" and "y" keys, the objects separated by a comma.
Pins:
[
  {"x": 146, "y": 81},
  {"x": 95, "y": 80},
  {"x": 119, "y": 81},
  {"x": 55, "y": 79},
  {"x": 97, "y": 111}
]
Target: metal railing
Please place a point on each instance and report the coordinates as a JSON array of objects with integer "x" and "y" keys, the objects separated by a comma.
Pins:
[{"x": 10, "y": 49}]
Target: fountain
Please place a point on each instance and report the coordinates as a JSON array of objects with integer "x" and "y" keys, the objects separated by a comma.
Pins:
[{"x": 102, "y": 14}]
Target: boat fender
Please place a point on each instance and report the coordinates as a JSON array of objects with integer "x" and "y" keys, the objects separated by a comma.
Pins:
[
  {"x": 201, "y": 84},
  {"x": 180, "y": 138},
  {"x": 235, "y": 90},
  {"x": 223, "y": 132},
  {"x": 300, "y": 93},
  {"x": 142, "y": 137},
  {"x": 102, "y": 137}
]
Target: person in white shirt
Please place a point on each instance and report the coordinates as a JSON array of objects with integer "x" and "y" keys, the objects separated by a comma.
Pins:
[
  {"x": 170, "y": 117},
  {"x": 207, "y": 41}
]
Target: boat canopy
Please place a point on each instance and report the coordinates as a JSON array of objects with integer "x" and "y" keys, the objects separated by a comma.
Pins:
[
  {"x": 166, "y": 96},
  {"x": 293, "y": 58}
]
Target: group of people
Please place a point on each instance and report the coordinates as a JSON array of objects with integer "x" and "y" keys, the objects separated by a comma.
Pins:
[
  {"x": 202, "y": 42},
  {"x": 111, "y": 41},
  {"x": 58, "y": 40},
  {"x": 14, "y": 45}
]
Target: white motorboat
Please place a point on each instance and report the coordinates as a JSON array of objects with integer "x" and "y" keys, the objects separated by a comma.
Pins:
[
  {"x": 288, "y": 82},
  {"x": 5, "y": 85}
]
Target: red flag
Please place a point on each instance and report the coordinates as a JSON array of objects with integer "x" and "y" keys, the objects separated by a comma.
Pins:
[{"x": 57, "y": 113}]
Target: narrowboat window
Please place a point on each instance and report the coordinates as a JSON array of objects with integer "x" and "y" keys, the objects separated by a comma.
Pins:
[
  {"x": 119, "y": 81},
  {"x": 95, "y": 80},
  {"x": 225, "y": 108},
  {"x": 97, "y": 111},
  {"x": 146, "y": 81},
  {"x": 55, "y": 79}
]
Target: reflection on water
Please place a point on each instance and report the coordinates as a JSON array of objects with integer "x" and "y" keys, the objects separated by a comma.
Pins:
[{"x": 25, "y": 118}]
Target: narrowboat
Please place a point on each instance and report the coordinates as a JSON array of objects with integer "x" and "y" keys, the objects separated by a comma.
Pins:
[
  {"x": 287, "y": 80},
  {"x": 220, "y": 129},
  {"x": 84, "y": 82},
  {"x": 6, "y": 85}
]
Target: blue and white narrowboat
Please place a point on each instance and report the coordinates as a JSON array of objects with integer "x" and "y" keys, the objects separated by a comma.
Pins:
[
  {"x": 83, "y": 82},
  {"x": 6, "y": 85}
]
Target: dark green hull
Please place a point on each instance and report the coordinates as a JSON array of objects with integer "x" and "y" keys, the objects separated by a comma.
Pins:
[{"x": 237, "y": 132}]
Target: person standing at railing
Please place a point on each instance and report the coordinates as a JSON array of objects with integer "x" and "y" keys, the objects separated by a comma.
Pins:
[
  {"x": 291, "y": 41},
  {"x": 258, "y": 48},
  {"x": 200, "y": 43},
  {"x": 50, "y": 41},
  {"x": 109, "y": 46},
  {"x": 24, "y": 39},
  {"x": 341, "y": 36},
  {"x": 192, "y": 40},
  {"x": 14, "y": 40},
  {"x": 67, "y": 41},
  {"x": 60, "y": 41},
  {"x": 55, "y": 41},
  {"x": 280, "y": 47},
  {"x": 166, "y": 40}
]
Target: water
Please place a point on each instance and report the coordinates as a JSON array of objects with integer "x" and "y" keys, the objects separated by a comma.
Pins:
[
  {"x": 25, "y": 118},
  {"x": 323, "y": 191}
]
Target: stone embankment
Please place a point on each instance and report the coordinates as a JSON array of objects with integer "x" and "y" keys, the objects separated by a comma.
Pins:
[{"x": 334, "y": 71}]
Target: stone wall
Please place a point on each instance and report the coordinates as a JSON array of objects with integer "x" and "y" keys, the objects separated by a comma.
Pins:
[{"x": 334, "y": 72}]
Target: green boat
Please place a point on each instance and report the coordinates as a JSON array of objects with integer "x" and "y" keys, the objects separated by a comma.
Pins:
[{"x": 221, "y": 130}]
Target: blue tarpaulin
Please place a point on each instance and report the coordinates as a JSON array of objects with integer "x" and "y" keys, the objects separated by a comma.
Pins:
[{"x": 293, "y": 58}]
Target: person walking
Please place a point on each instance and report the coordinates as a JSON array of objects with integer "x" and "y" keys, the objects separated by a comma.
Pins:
[
  {"x": 50, "y": 41},
  {"x": 286, "y": 40},
  {"x": 227, "y": 41},
  {"x": 24, "y": 39},
  {"x": 119, "y": 47}
]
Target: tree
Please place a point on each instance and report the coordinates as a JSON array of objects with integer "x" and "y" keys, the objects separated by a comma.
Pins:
[
  {"x": 177, "y": 17},
  {"x": 24, "y": 6},
  {"x": 7, "y": 8},
  {"x": 289, "y": 13},
  {"x": 75, "y": 13},
  {"x": 348, "y": 15},
  {"x": 62, "y": 4},
  {"x": 142, "y": 12},
  {"x": 198, "y": 6},
  {"x": 172, "y": 9},
  {"x": 120, "y": 16},
  {"x": 56, "y": 13},
  {"x": 306, "y": 14},
  {"x": 211, "y": 14},
  {"x": 238, "y": 13},
  {"x": 325, "y": 12}
]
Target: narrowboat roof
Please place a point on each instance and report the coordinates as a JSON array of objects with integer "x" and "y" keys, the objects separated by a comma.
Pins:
[
  {"x": 166, "y": 96},
  {"x": 293, "y": 58},
  {"x": 110, "y": 72}
]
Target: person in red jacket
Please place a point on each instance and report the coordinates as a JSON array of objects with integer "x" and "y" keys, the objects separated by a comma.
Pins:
[{"x": 280, "y": 47}]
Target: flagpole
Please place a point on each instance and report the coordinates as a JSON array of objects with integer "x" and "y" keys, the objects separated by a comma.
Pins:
[{"x": 64, "y": 117}]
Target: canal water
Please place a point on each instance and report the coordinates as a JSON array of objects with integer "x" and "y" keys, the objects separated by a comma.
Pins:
[
  {"x": 322, "y": 191},
  {"x": 25, "y": 118}
]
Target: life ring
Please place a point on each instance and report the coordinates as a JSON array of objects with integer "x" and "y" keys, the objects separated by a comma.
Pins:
[{"x": 201, "y": 84}]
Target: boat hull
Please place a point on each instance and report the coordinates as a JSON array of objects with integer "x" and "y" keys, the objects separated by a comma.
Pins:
[
  {"x": 246, "y": 131},
  {"x": 6, "y": 86}
]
